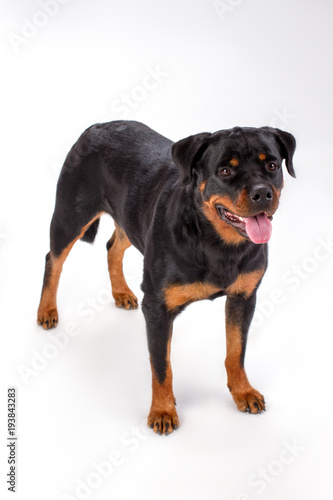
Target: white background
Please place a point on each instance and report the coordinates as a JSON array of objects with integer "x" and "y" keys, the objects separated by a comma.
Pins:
[{"x": 254, "y": 63}]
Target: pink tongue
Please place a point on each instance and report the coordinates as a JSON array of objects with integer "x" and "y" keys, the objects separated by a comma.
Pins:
[{"x": 258, "y": 228}]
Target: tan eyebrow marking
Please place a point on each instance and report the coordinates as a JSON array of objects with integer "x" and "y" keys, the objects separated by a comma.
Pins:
[
  {"x": 262, "y": 157},
  {"x": 234, "y": 162}
]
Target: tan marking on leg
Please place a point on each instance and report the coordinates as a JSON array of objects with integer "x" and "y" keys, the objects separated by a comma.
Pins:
[
  {"x": 47, "y": 315},
  {"x": 163, "y": 418},
  {"x": 122, "y": 294},
  {"x": 178, "y": 295},
  {"x": 244, "y": 395},
  {"x": 245, "y": 283}
]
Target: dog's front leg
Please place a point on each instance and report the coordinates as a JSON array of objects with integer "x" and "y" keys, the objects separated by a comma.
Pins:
[
  {"x": 163, "y": 417},
  {"x": 239, "y": 312}
]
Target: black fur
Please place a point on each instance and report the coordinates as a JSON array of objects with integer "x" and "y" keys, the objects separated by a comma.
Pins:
[
  {"x": 154, "y": 189},
  {"x": 90, "y": 234}
]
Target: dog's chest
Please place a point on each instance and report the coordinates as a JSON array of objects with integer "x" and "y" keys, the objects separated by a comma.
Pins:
[{"x": 178, "y": 295}]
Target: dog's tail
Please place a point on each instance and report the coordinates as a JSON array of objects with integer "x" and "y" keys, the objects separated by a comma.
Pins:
[{"x": 90, "y": 235}]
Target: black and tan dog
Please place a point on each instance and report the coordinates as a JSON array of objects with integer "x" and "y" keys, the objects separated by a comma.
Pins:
[{"x": 200, "y": 212}]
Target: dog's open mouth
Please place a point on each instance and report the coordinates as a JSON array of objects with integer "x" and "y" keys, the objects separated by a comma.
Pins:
[{"x": 257, "y": 228}]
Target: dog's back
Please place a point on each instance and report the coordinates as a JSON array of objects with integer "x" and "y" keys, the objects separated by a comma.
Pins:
[{"x": 110, "y": 169}]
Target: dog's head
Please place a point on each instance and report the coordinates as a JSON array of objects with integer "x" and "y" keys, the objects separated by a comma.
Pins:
[{"x": 238, "y": 173}]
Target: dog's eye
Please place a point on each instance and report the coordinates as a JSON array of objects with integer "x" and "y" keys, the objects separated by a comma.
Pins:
[
  {"x": 225, "y": 171},
  {"x": 272, "y": 166}
]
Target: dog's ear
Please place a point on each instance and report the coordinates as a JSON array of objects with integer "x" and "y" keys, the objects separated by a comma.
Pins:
[
  {"x": 187, "y": 152},
  {"x": 287, "y": 145}
]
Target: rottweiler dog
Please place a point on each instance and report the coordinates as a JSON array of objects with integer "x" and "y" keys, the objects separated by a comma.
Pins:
[{"x": 200, "y": 212}]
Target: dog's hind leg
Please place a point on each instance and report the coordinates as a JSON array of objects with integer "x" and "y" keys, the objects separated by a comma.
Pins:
[
  {"x": 116, "y": 247},
  {"x": 63, "y": 237}
]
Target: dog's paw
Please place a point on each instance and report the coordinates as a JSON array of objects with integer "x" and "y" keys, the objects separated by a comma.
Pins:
[
  {"x": 163, "y": 422},
  {"x": 48, "y": 319},
  {"x": 126, "y": 300},
  {"x": 250, "y": 401}
]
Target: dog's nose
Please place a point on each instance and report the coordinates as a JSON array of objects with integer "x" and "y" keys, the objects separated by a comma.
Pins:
[{"x": 261, "y": 195}]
